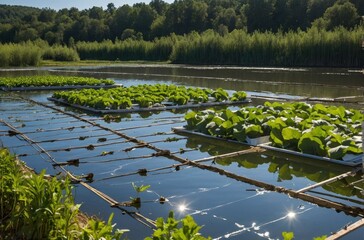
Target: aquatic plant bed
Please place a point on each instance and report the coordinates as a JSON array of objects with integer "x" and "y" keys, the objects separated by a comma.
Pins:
[
  {"x": 141, "y": 98},
  {"x": 317, "y": 131},
  {"x": 49, "y": 82}
]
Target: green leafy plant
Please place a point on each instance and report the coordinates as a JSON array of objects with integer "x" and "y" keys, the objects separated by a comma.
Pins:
[
  {"x": 136, "y": 201},
  {"x": 32, "y": 207},
  {"x": 287, "y": 235},
  {"x": 172, "y": 229},
  {"x": 50, "y": 80},
  {"x": 143, "y": 95},
  {"x": 326, "y": 131},
  {"x": 96, "y": 229}
]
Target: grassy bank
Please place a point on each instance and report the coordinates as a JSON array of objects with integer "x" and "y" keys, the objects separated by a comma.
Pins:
[{"x": 32, "y": 207}]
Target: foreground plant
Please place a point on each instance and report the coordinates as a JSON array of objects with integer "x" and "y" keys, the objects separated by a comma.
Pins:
[
  {"x": 32, "y": 207},
  {"x": 173, "y": 229}
]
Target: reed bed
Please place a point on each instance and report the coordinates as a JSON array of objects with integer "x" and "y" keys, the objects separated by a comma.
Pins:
[{"x": 311, "y": 48}]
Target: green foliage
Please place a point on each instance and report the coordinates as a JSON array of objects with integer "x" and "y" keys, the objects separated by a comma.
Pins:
[
  {"x": 32, "y": 207},
  {"x": 143, "y": 95},
  {"x": 24, "y": 54},
  {"x": 326, "y": 131},
  {"x": 171, "y": 229},
  {"x": 287, "y": 235},
  {"x": 208, "y": 32},
  {"x": 313, "y": 47},
  {"x": 96, "y": 229},
  {"x": 60, "y": 53},
  {"x": 141, "y": 188},
  {"x": 49, "y": 80}
]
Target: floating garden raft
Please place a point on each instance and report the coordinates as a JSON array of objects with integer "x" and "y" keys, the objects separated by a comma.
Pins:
[
  {"x": 317, "y": 131},
  {"x": 143, "y": 98},
  {"x": 49, "y": 82}
]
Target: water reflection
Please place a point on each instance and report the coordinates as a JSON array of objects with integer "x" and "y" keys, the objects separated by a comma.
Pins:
[
  {"x": 329, "y": 83},
  {"x": 301, "y": 82},
  {"x": 284, "y": 166},
  {"x": 255, "y": 228}
]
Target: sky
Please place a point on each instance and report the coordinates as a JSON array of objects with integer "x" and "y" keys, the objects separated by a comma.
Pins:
[{"x": 80, "y": 4}]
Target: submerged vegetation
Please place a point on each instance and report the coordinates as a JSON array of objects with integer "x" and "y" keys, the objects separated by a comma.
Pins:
[
  {"x": 51, "y": 80},
  {"x": 325, "y": 131}
]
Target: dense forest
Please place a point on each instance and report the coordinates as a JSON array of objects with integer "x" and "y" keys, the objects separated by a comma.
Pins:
[
  {"x": 182, "y": 31},
  {"x": 158, "y": 18}
]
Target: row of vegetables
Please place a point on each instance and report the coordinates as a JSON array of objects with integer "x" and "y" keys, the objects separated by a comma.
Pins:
[
  {"x": 326, "y": 131},
  {"x": 145, "y": 96},
  {"x": 51, "y": 80}
]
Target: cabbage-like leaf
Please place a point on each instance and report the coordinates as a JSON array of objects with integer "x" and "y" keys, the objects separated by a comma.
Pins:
[
  {"x": 312, "y": 145},
  {"x": 337, "y": 152},
  {"x": 254, "y": 131},
  {"x": 291, "y": 136},
  {"x": 191, "y": 119},
  {"x": 239, "y": 133}
]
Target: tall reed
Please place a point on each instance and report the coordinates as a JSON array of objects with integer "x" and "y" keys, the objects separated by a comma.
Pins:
[
  {"x": 311, "y": 48},
  {"x": 23, "y": 54}
]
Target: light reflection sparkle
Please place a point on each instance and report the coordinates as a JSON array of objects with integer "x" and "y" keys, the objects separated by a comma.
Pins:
[
  {"x": 291, "y": 215},
  {"x": 182, "y": 207}
]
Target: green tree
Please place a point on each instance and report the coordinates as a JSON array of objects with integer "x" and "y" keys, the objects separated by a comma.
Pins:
[
  {"x": 145, "y": 16},
  {"x": 262, "y": 8},
  {"x": 342, "y": 13},
  {"x": 47, "y": 15}
]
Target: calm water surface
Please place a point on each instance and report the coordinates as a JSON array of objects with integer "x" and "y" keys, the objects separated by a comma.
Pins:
[{"x": 228, "y": 209}]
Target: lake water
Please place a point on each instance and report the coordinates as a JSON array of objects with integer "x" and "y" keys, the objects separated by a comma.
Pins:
[{"x": 228, "y": 209}]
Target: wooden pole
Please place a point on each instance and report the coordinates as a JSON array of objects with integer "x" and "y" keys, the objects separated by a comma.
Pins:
[
  {"x": 347, "y": 229},
  {"x": 330, "y": 180}
]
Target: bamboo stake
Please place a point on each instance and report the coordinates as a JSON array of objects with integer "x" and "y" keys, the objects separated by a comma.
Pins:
[
  {"x": 40, "y": 130},
  {"x": 126, "y": 158},
  {"x": 149, "y": 125},
  {"x": 233, "y": 154},
  {"x": 89, "y": 146},
  {"x": 330, "y": 180},
  {"x": 338, "y": 197},
  {"x": 42, "y": 119},
  {"x": 347, "y": 229}
]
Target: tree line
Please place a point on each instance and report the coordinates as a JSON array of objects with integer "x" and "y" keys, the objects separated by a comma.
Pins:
[{"x": 156, "y": 19}]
